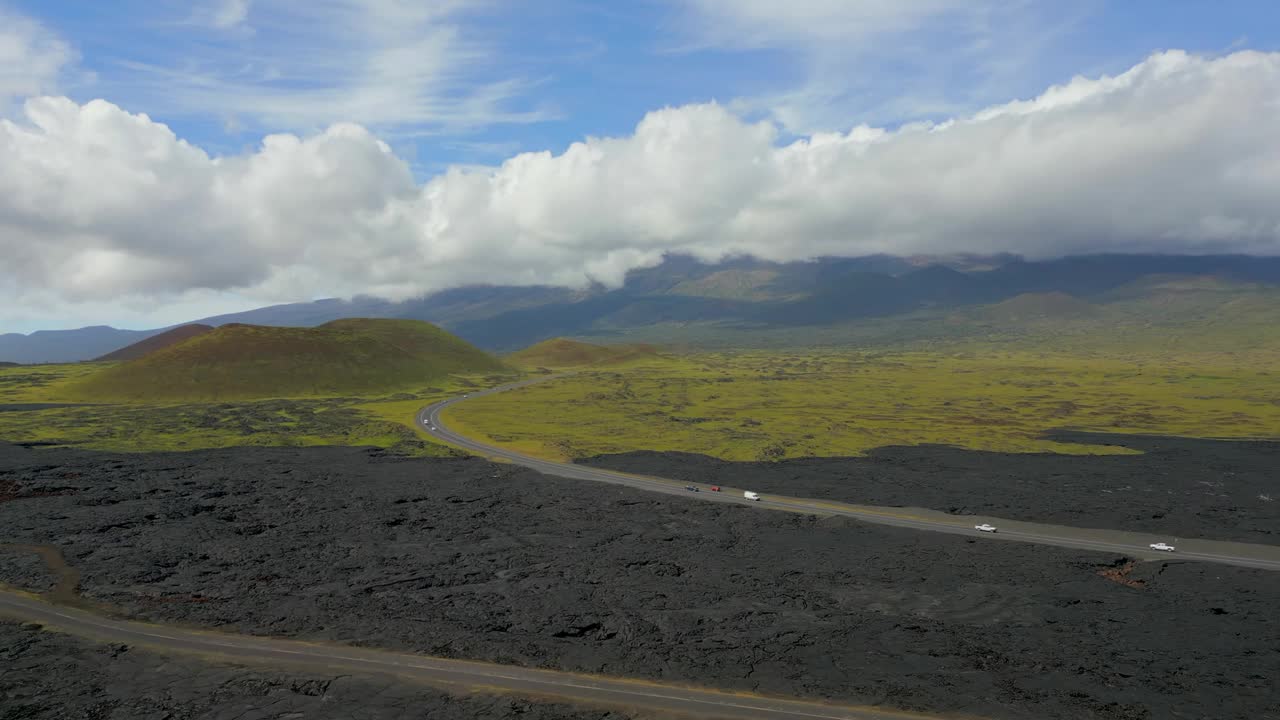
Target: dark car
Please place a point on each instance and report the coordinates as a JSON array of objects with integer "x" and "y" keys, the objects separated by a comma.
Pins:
[{"x": 691, "y": 488}]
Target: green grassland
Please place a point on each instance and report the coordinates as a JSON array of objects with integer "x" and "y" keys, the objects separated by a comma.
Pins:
[
  {"x": 562, "y": 353},
  {"x": 382, "y": 421},
  {"x": 41, "y": 383},
  {"x": 241, "y": 362},
  {"x": 772, "y": 405},
  {"x": 1181, "y": 356}
]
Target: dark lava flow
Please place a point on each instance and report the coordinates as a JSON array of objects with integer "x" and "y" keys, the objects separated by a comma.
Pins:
[{"x": 465, "y": 558}]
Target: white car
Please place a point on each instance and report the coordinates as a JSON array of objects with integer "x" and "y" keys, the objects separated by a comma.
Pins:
[
  {"x": 985, "y": 527},
  {"x": 1163, "y": 547}
]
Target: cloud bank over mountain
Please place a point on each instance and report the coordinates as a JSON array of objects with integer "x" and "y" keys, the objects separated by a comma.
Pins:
[{"x": 1179, "y": 154}]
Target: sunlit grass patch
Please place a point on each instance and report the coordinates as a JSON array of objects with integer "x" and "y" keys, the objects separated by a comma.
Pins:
[
  {"x": 772, "y": 405},
  {"x": 381, "y": 421},
  {"x": 42, "y": 383}
]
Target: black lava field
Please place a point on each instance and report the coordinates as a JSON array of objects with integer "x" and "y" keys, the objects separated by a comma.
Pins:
[{"x": 466, "y": 558}]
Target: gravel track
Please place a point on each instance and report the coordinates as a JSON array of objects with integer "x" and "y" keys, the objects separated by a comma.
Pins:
[{"x": 60, "y": 678}]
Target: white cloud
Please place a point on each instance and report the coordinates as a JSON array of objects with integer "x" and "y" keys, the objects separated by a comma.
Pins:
[
  {"x": 1178, "y": 154},
  {"x": 31, "y": 57},
  {"x": 230, "y": 13},
  {"x": 393, "y": 65},
  {"x": 874, "y": 61},
  {"x": 225, "y": 15},
  {"x": 768, "y": 23}
]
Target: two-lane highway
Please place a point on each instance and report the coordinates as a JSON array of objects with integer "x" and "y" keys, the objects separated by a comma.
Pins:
[
  {"x": 1263, "y": 557},
  {"x": 445, "y": 673}
]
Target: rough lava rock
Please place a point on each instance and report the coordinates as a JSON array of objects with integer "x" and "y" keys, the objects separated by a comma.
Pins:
[
  {"x": 466, "y": 558},
  {"x": 26, "y": 571}
]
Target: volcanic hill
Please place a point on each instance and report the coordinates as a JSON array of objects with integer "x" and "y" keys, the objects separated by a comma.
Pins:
[
  {"x": 156, "y": 342},
  {"x": 343, "y": 357}
]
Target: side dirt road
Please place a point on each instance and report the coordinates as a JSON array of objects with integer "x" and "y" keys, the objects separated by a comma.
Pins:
[
  {"x": 459, "y": 675},
  {"x": 48, "y": 675},
  {"x": 469, "y": 559}
]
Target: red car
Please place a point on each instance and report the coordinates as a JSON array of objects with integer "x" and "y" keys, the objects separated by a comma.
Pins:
[{"x": 715, "y": 488}]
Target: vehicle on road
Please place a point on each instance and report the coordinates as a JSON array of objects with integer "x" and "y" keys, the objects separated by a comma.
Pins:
[
  {"x": 1162, "y": 547},
  {"x": 985, "y": 527},
  {"x": 751, "y": 495},
  {"x": 691, "y": 488},
  {"x": 715, "y": 488}
]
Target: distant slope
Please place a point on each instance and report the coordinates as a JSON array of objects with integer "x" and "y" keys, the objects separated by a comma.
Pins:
[
  {"x": 1038, "y": 306},
  {"x": 157, "y": 342},
  {"x": 1160, "y": 312},
  {"x": 444, "y": 308},
  {"x": 306, "y": 314},
  {"x": 344, "y": 357},
  {"x": 61, "y": 346},
  {"x": 732, "y": 284},
  {"x": 742, "y": 298},
  {"x": 565, "y": 353}
]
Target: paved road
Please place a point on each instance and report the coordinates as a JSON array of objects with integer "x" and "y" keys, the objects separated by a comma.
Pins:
[
  {"x": 1264, "y": 557},
  {"x": 439, "y": 672}
]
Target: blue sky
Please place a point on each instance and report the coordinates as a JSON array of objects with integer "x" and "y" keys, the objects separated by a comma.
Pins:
[
  {"x": 167, "y": 160},
  {"x": 545, "y": 74}
]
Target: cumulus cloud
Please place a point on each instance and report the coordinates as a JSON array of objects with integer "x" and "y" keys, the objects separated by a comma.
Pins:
[
  {"x": 31, "y": 57},
  {"x": 1179, "y": 154}
]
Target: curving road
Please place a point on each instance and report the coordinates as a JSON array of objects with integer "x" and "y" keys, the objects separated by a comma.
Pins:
[
  {"x": 439, "y": 672},
  {"x": 1262, "y": 557}
]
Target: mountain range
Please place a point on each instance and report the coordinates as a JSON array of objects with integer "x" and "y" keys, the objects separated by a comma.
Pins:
[{"x": 745, "y": 300}]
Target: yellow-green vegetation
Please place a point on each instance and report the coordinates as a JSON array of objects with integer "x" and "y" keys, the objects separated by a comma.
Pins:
[
  {"x": 355, "y": 357},
  {"x": 40, "y": 383},
  {"x": 564, "y": 353},
  {"x": 764, "y": 405},
  {"x": 386, "y": 421}
]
